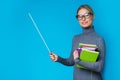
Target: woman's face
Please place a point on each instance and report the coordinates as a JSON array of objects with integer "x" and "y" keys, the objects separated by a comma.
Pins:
[{"x": 85, "y": 18}]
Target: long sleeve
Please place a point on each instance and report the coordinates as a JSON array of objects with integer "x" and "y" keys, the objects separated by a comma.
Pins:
[
  {"x": 89, "y": 36},
  {"x": 95, "y": 66},
  {"x": 67, "y": 61}
]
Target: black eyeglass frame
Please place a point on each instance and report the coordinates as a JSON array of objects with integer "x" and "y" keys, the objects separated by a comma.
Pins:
[{"x": 77, "y": 16}]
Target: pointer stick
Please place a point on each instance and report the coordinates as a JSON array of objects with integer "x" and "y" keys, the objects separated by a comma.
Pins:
[{"x": 35, "y": 25}]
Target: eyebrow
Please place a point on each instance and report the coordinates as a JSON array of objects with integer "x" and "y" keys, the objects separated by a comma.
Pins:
[{"x": 84, "y": 13}]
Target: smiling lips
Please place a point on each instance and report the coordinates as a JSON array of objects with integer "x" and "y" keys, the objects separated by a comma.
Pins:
[{"x": 85, "y": 22}]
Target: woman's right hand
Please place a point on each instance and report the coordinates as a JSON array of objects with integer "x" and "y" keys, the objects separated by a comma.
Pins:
[
  {"x": 75, "y": 54},
  {"x": 53, "y": 56}
]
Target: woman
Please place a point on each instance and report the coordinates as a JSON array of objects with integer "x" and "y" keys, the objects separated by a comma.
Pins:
[{"x": 85, "y": 16}]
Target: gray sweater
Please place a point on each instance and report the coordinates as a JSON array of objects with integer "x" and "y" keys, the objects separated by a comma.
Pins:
[{"x": 94, "y": 69}]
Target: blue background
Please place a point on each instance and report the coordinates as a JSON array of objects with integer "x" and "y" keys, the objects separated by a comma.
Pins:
[{"x": 23, "y": 55}]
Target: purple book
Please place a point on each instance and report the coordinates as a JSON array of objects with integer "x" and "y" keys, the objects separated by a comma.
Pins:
[
  {"x": 79, "y": 50},
  {"x": 89, "y": 48}
]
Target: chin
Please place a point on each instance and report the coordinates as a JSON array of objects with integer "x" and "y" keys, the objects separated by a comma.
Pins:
[{"x": 85, "y": 26}]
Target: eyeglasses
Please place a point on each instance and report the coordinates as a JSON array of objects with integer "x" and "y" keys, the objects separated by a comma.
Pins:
[{"x": 86, "y": 16}]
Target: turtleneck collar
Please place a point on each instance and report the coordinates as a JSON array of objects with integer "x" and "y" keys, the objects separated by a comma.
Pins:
[{"x": 88, "y": 30}]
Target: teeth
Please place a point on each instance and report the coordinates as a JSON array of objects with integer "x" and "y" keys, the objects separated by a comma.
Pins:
[{"x": 84, "y": 22}]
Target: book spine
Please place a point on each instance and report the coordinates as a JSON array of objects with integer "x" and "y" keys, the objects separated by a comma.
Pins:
[
  {"x": 87, "y": 45},
  {"x": 79, "y": 50},
  {"x": 89, "y": 48}
]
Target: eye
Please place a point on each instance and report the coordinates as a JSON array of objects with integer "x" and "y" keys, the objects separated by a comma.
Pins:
[
  {"x": 87, "y": 15},
  {"x": 78, "y": 16}
]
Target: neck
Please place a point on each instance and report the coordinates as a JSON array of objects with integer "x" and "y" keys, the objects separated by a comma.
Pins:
[{"x": 88, "y": 29}]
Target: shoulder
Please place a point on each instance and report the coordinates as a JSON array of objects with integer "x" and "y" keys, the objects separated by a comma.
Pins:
[
  {"x": 76, "y": 36},
  {"x": 99, "y": 37},
  {"x": 100, "y": 40}
]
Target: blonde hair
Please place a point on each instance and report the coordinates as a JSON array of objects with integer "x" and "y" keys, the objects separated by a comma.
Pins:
[{"x": 85, "y": 6}]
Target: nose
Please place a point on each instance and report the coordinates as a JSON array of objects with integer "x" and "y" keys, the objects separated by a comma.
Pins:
[{"x": 83, "y": 18}]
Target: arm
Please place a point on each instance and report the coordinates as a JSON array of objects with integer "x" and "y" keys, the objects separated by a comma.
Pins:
[
  {"x": 67, "y": 61},
  {"x": 95, "y": 66}
]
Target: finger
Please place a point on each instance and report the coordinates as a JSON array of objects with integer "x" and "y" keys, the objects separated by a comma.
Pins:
[
  {"x": 51, "y": 56},
  {"x": 76, "y": 51},
  {"x": 51, "y": 53}
]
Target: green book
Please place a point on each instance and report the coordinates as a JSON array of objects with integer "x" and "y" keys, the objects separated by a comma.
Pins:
[
  {"x": 87, "y": 45},
  {"x": 88, "y": 56}
]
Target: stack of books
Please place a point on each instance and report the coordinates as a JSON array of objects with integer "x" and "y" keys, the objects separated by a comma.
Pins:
[{"x": 87, "y": 53}]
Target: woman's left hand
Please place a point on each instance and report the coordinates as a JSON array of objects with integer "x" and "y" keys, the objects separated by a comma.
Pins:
[{"x": 75, "y": 54}]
